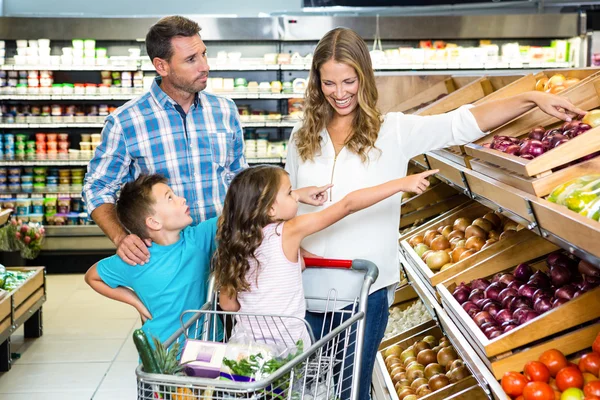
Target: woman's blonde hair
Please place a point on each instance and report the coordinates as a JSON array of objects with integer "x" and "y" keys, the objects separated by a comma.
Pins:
[
  {"x": 249, "y": 199},
  {"x": 344, "y": 46}
]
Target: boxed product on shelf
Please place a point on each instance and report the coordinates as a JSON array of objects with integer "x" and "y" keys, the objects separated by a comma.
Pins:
[{"x": 562, "y": 298}]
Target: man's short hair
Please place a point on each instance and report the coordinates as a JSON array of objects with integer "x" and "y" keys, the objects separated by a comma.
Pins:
[
  {"x": 136, "y": 203},
  {"x": 158, "y": 39}
]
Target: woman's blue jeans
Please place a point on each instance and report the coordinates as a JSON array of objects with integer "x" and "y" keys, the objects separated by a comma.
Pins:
[{"x": 375, "y": 324}]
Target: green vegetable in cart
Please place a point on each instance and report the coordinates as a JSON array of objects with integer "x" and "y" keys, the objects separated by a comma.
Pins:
[{"x": 145, "y": 352}]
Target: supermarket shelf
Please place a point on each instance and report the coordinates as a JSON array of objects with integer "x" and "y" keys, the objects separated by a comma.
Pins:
[
  {"x": 266, "y": 160},
  {"x": 76, "y": 238},
  {"x": 253, "y": 66},
  {"x": 73, "y": 230},
  {"x": 124, "y": 97},
  {"x": 52, "y": 125},
  {"x": 39, "y": 67},
  {"x": 279, "y": 123},
  {"x": 478, "y": 368},
  {"x": 44, "y": 163}
]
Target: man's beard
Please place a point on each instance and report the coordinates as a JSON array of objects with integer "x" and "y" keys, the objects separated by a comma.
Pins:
[{"x": 188, "y": 87}]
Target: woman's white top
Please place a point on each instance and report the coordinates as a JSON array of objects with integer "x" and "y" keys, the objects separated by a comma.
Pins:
[{"x": 370, "y": 234}]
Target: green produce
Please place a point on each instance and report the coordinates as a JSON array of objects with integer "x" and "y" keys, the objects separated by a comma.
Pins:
[
  {"x": 145, "y": 352},
  {"x": 581, "y": 195}
]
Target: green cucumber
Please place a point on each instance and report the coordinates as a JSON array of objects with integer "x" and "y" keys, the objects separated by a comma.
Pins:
[{"x": 145, "y": 352}]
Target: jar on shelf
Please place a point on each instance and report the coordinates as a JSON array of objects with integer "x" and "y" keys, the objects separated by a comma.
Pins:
[
  {"x": 79, "y": 89},
  {"x": 56, "y": 110},
  {"x": 91, "y": 89},
  {"x": 22, "y": 89},
  {"x": 63, "y": 205},
  {"x": 68, "y": 89}
]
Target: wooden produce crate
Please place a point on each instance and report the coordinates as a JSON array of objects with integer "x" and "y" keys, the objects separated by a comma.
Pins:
[
  {"x": 572, "y": 314},
  {"x": 468, "y": 94},
  {"x": 434, "y": 201},
  {"x": 432, "y": 278},
  {"x": 429, "y": 95},
  {"x": 568, "y": 343},
  {"x": 410, "y": 232},
  {"x": 21, "y": 306},
  {"x": 577, "y": 230},
  {"x": 412, "y": 331},
  {"x": 442, "y": 394},
  {"x": 474, "y": 93},
  {"x": 585, "y": 96}
]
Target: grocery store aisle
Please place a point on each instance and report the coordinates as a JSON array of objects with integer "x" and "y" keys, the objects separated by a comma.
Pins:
[{"x": 86, "y": 351}]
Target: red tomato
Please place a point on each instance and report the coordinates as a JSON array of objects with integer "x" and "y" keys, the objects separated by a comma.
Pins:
[
  {"x": 538, "y": 391},
  {"x": 592, "y": 389},
  {"x": 536, "y": 371},
  {"x": 591, "y": 398},
  {"x": 590, "y": 363},
  {"x": 513, "y": 383},
  {"x": 554, "y": 360},
  {"x": 569, "y": 377},
  {"x": 596, "y": 344}
]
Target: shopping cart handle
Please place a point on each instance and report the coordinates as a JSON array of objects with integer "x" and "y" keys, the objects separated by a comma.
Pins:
[{"x": 368, "y": 267}]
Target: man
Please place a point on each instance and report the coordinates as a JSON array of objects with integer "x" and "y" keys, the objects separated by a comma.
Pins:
[{"x": 193, "y": 138}]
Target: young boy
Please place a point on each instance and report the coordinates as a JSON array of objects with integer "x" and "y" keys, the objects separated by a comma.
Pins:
[{"x": 176, "y": 277}]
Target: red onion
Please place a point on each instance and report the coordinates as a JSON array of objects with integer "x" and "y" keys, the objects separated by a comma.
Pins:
[
  {"x": 571, "y": 133},
  {"x": 506, "y": 278},
  {"x": 470, "y": 308},
  {"x": 476, "y": 294},
  {"x": 461, "y": 294},
  {"x": 583, "y": 127},
  {"x": 513, "y": 149},
  {"x": 566, "y": 292},
  {"x": 528, "y": 317},
  {"x": 502, "y": 145},
  {"x": 588, "y": 269},
  {"x": 578, "y": 293},
  {"x": 493, "y": 308},
  {"x": 523, "y": 272},
  {"x": 570, "y": 125},
  {"x": 532, "y": 147},
  {"x": 537, "y": 133},
  {"x": 542, "y": 304},
  {"x": 558, "y": 302},
  {"x": 515, "y": 285},
  {"x": 561, "y": 141},
  {"x": 509, "y": 327},
  {"x": 494, "y": 290},
  {"x": 526, "y": 290},
  {"x": 561, "y": 259},
  {"x": 482, "y": 317},
  {"x": 494, "y": 334},
  {"x": 553, "y": 132},
  {"x": 487, "y": 145},
  {"x": 540, "y": 280},
  {"x": 552, "y": 258},
  {"x": 527, "y": 156},
  {"x": 560, "y": 275},
  {"x": 518, "y": 302},
  {"x": 556, "y": 138},
  {"x": 481, "y": 284},
  {"x": 592, "y": 280},
  {"x": 464, "y": 285},
  {"x": 489, "y": 329},
  {"x": 503, "y": 316},
  {"x": 507, "y": 293},
  {"x": 539, "y": 293},
  {"x": 482, "y": 302}
]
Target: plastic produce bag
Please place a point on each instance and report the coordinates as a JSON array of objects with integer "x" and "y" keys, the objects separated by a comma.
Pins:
[{"x": 581, "y": 195}]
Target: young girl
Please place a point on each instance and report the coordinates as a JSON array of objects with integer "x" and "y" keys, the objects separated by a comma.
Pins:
[{"x": 258, "y": 265}]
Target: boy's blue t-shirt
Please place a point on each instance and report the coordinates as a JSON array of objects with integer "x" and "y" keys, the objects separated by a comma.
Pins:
[{"x": 173, "y": 281}]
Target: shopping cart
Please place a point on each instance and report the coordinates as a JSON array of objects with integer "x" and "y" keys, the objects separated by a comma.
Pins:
[{"x": 327, "y": 369}]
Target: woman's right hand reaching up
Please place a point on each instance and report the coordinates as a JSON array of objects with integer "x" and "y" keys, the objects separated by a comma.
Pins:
[{"x": 418, "y": 183}]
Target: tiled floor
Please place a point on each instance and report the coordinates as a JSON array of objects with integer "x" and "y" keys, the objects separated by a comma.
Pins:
[{"x": 86, "y": 351}]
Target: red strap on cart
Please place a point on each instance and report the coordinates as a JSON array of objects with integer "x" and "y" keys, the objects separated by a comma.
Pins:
[{"x": 327, "y": 263}]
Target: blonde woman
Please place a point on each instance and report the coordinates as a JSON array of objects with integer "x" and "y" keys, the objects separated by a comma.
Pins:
[{"x": 344, "y": 140}]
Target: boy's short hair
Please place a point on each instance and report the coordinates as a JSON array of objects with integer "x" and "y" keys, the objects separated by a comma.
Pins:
[{"x": 136, "y": 203}]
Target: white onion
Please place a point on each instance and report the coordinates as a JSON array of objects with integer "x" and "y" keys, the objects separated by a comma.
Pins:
[{"x": 403, "y": 320}]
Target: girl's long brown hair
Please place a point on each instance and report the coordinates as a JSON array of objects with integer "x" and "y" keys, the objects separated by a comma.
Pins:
[
  {"x": 344, "y": 46},
  {"x": 239, "y": 233}
]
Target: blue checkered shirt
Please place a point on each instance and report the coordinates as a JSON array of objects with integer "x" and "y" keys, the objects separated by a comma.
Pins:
[{"x": 199, "y": 153}]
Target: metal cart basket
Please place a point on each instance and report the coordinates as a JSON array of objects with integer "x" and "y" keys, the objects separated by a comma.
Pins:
[{"x": 327, "y": 369}]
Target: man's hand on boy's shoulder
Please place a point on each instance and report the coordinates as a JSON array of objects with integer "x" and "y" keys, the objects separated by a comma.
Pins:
[{"x": 133, "y": 250}]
